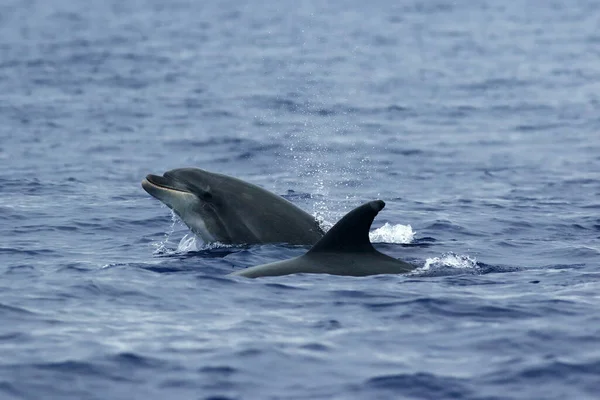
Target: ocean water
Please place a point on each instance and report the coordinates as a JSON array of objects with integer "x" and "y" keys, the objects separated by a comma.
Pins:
[{"x": 477, "y": 122}]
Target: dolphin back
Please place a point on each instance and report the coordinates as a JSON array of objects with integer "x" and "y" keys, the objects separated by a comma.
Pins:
[{"x": 344, "y": 250}]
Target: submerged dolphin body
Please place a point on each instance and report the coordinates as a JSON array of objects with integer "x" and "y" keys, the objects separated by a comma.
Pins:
[
  {"x": 220, "y": 208},
  {"x": 344, "y": 250}
]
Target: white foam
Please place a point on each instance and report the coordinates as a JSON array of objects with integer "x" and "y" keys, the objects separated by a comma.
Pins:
[
  {"x": 392, "y": 234},
  {"x": 450, "y": 260}
]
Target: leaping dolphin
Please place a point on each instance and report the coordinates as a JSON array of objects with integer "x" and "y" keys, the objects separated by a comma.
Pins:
[
  {"x": 220, "y": 208},
  {"x": 344, "y": 250}
]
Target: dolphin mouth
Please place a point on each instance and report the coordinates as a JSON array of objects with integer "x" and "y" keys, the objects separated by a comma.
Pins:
[{"x": 161, "y": 182}]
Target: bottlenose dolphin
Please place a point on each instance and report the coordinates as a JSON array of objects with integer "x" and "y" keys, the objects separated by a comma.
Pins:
[
  {"x": 344, "y": 250},
  {"x": 220, "y": 208}
]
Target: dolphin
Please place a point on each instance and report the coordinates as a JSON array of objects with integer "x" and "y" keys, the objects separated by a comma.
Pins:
[
  {"x": 220, "y": 208},
  {"x": 344, "y": 250}
]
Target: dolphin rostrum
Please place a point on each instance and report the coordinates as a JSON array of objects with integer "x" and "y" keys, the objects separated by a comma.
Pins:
[
  {"x": 220, "y": 208},
  {"x": 344, "y": 250}
]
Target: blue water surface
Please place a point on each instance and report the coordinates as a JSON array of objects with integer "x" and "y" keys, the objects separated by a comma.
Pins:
[{"x": 476, "y": 121}]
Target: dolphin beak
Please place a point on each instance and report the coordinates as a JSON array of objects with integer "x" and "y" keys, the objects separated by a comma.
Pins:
[{"x": 154, "y": 183}]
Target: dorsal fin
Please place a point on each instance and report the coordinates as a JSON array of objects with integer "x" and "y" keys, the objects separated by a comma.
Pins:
[{"x": 351, "y": 233}]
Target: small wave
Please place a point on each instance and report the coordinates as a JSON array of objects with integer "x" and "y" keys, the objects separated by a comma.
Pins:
[
  {"x": 72, "y": 366},
  {"x": 12, "y": 310},
  {"x": 218, "y": 370},
  {"x": 421, "y": 385},
  {"x": 582, "y": 374},
  {"x": 315, "y": 347},
  {"x": 328, "y": 325},
  {"x": 392, "y": 234},
  {"x": 450, "y": 227},
  {"x": 282, "y": 286},
  {"x": 133, "y": 360},
  {"x": 162, "y": 269}
]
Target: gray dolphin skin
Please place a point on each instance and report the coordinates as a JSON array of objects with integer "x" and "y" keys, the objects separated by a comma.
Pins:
[
  {"x": 344, "y": 250},
  {"x": 220, "y": 208}
]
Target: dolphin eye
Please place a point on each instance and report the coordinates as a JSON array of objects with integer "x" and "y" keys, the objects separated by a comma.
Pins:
[{"x": 207, "y": 196}]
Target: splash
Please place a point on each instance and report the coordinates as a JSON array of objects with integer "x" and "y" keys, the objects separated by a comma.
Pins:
[
  {"x": 188, "y": 243},
  {"x": 163, "y": 246},
  {"x": 450, "y": 260},
  {"x": 324, "y": 155},
  {"x": 324, "y": 223},
  {"x": 392, "y": 234}
]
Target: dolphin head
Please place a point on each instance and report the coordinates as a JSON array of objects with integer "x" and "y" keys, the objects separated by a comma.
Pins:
[
  {"x": 194, "y": 195},
  {"x": 221, "y": 208}
]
